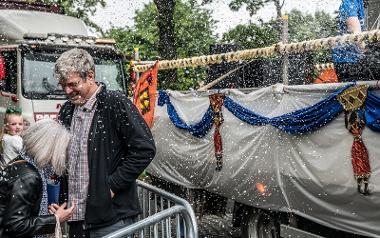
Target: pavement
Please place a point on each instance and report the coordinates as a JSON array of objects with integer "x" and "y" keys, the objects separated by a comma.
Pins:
[{"x": 214, "y": 226}]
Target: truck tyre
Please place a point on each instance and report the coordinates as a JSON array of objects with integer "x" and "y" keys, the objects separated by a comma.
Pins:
[{"x": 260, "y": 224}]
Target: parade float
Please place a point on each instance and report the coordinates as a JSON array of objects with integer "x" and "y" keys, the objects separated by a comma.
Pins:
[{"x": 297, "y": 160}]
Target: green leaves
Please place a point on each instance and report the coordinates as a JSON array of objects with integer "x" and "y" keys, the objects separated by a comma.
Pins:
[
  {"x": 253, "y": 35},
  {"x": 252, "y": 6},
  {"x": 301, "y": 27},
  {"x": 193, "y": 36},
  {"x": 306, "y": 26}
]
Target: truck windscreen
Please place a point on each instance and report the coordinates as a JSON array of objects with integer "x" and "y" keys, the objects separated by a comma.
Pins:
[{"x": 38, "y": 81}]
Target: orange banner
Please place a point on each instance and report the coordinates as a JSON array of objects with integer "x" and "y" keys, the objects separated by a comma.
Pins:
[
  {"x": 145, "y": 94},
  {"x": 327, "y": 76}
]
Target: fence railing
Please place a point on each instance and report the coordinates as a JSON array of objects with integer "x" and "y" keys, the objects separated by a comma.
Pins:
[{"x": 163, "y": 215}]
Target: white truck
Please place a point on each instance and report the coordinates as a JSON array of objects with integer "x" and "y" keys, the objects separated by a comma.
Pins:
[
  {"x": 283, "y": 184},
  {"x": 32, "y": 36}
]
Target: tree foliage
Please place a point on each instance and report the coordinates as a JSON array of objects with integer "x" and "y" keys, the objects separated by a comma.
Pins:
[
  {"x": 301, "y": 27},
  {"x": 193, "y": 36},
  {"x": 166, "y": 43},
  {"x": 306, "y": 26},
  {"x": 252, "y": 35},
  {"x": 253, "y": 6},
  {"x": 82, "y": 9}
]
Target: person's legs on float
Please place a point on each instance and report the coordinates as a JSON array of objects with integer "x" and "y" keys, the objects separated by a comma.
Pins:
[
  {"x": 347, "y": 72},
  {"x": 371, "y": 61}
]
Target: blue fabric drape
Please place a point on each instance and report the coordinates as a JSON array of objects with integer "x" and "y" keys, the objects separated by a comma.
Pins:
[
  {"x": 199, "y": 129},
  {"x": 297, "y": 122},
  {"x": 310, "y": 118},
  {"x": 244, "y": 114},
  {"x": 372, "y": 111}
]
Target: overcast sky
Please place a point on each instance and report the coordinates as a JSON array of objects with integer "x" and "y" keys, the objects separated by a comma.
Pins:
[{"x": 121, "y": 12}]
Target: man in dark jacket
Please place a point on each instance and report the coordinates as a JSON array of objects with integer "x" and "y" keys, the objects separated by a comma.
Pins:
[{"x": 110, "y": 147}]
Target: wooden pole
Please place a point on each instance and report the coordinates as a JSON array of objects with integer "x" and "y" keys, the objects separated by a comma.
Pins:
[
  {"x": 136, "y": 59},
  {"x": 285, "y": 56}
]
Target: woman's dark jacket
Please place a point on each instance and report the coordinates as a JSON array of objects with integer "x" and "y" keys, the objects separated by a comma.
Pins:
[
  {"x": 20, "y": 198},
  {"x": 120, "y": 146}
]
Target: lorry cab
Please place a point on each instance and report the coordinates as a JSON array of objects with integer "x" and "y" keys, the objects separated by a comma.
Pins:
[{"x": 30, "y": 43}]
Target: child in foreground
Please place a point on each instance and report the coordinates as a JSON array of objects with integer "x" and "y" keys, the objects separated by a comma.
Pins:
[{"x": 11, "y": 141}]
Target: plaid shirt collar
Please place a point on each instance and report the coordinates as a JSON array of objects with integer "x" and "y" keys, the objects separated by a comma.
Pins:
[{"x": 90, "y": 104}]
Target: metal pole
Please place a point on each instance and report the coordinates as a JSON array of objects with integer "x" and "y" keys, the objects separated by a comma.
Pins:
[{"x": 285, "y": 57}]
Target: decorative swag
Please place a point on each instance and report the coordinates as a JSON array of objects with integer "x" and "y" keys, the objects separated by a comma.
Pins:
[{"x": 300, "y": 121}]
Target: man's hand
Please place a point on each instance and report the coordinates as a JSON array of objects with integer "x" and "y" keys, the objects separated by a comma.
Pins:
[{"x": 62, "y": 213}]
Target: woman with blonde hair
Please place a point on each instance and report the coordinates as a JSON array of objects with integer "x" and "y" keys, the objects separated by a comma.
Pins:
[{"x": 23, "y": 190}]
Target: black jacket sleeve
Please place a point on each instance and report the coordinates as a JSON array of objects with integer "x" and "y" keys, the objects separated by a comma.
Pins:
[
  {"x": 18, "y": 219},
  {"x": 138, "y": 145}
]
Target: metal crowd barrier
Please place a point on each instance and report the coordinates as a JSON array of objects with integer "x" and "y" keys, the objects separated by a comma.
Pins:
[{"x": 163, "y": 215}]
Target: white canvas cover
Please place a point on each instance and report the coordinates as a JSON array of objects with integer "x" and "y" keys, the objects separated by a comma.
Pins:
[{"x": 310, "y": 175}]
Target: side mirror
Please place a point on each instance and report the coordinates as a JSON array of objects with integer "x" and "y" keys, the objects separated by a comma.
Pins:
[
  {"x": 2, "y": 68},
  {"x": 2, "y": 72}
]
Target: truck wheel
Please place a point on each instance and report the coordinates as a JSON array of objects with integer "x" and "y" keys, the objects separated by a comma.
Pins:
[{"x": 260, "y": 224}]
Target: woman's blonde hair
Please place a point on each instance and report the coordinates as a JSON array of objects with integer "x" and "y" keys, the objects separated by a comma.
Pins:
[{"x": 46, "y": 143}]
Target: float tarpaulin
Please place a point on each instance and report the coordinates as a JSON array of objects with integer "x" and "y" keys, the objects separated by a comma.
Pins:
[{"x": 308, "y": 173}]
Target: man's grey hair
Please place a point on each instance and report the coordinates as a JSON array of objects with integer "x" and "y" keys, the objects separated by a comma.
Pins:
[
  {"x": 46, "y": 143},
  {"x": 73, "y": 61}
]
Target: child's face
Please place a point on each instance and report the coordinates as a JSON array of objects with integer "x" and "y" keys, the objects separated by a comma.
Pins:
[
  {"x": 26, "y": 125},
  {"x": 14, "y": 124}
]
